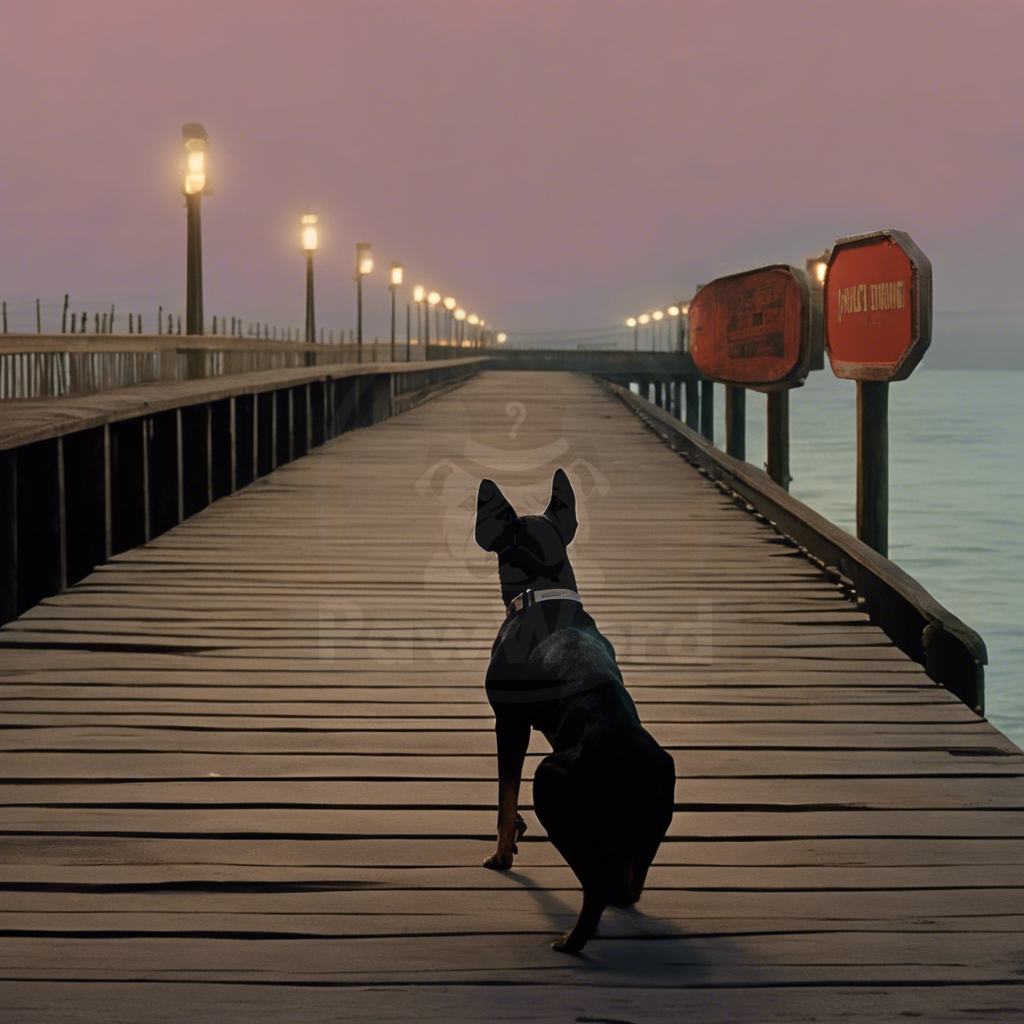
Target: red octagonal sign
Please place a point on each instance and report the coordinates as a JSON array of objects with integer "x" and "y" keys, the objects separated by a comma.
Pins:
[{"x": 878, "y": 306}]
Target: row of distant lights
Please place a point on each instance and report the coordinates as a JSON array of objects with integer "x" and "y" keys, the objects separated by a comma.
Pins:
[
  {"x": 364, "y": 266},
  {"x": 819, "y": 267},
  {"x": 195, "y": 183},
  {"x": 659, "y": 314}
]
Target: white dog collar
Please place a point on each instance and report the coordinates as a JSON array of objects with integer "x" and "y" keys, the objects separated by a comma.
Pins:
[{"x": 530, "y": 597}]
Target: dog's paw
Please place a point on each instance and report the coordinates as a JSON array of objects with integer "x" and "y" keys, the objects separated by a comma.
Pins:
[
  {"x": 497, "y": 862},
  {"x": 567, "y": 943}
]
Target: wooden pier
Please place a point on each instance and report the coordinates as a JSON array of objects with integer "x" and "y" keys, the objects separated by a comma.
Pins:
[{"x": 249, "y": 769}]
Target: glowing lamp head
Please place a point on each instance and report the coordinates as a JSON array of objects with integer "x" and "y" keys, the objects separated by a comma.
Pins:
[
  {"x": 194, "y": 139},
  {"x": 644, "y": 318},
  {"x": 310, "y": 233},
  {"x": 364, "y": 259},
  {"x": 419, "y": 293},
  {"x": 397, "y": 274},
  {"x": 460, "y": 314},
  {"x": 502, "y": 338},
  {"x": 819, "y": 271},
  {"x": 473, "y": 319},
  {"x": 685, "y": 309},
  {"x": 673, "y": 311},
  {"x": 631, "y": 322},
  {"x": 658, "y": 314},
  {"x": 450, "y": 303},
  {"x": 434, "y": 298}
]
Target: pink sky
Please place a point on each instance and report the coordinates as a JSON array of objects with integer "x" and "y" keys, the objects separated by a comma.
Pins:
[{"x": 550, "y": 164}]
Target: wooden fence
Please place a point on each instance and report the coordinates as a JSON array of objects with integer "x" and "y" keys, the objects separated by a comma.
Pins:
[{"x": 85, "y": 479}]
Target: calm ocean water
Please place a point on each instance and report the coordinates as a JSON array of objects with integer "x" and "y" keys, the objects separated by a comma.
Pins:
[{"x": 956, "y": 496}]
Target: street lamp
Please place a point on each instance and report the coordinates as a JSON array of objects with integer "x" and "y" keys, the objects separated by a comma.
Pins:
[
  {"x": 473, "y": 320},
  {"x": 432, "y": 300},
  {"x": 502, "y": 337},
  {"x": 450, "y": 304},
  {"x": 397, "y": 273},
  {"x": 310, "y": 243},
  {"x": 643, "y": 319},
  {"x": 364, "y": 265},
  {"x": 657, "y": 316},
  {"x": 631, "y": 324},
  {"x": 194, "y": 185},
  {"x": 460, "y": 330},
  {"x": 419, "y": 296}
]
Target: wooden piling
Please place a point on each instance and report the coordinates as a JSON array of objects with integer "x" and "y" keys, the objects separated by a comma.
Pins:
[
  {"x": 873, "y": 464},
  {"x": 778, "y": 437}
]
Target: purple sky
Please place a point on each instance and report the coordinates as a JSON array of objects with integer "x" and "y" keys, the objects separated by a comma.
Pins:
[{"x": 550, "y": 164}]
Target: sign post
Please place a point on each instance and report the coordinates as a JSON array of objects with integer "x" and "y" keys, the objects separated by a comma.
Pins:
[
  {"x": 878, "y": 321},
  {"x": 757, "y": 330}
]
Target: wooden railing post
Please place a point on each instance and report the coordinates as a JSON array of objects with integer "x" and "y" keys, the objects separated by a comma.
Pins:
[
  {"x": 693, "y": 405},
  {"x": 736, "y": 421},
  {"x": 707, "y": 409},
  {"x": 778, "y": 437},
  {"x": 873, "y": 464},
  {"x": 8, "y": 535}
]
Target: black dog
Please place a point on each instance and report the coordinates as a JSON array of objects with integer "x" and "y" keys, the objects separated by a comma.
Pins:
[{"x": 605, "y": 793}]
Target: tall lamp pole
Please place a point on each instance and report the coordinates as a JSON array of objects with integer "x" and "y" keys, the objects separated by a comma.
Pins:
[
  {"x": 397, "y": 273},
  {"x": 657, "y": 316},
  {"x": 310, "y": 241},
  {"x": 432, "y": 300},
  {"x": 460, "y": 326},
  {"x": 631, "y": 323},
  {"x": 643, "y": 319},
  {"x": 449, "y": 305},
  {"x": 194, "y": 140},
  {"x": 364, "y": 265},
  {"x": 419, "y": 294}
]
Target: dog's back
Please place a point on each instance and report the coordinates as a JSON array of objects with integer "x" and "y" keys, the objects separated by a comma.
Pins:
[{"x": 605, "y": 793}]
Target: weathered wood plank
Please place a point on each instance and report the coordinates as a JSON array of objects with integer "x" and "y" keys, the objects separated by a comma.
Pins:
[{"x": 270, "y": 722}]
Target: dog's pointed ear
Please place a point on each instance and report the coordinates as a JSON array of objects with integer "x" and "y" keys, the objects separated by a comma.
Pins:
[
  {"x": 494, "y": 515},
  {"x": 561, "y": 508}
]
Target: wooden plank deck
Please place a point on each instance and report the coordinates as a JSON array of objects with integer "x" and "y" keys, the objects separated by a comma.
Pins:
[{"x": 249, "y": 771}]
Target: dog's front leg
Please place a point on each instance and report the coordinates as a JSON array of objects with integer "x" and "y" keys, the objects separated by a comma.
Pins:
[{"x": 513, "y": 738}]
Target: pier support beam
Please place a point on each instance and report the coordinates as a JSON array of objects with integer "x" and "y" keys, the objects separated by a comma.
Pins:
[
  {"x": 707, "y": 409},
  {"x": 736, "y": 421},
  {"x": 778, "y": 438},
  {"x": 692, "y": 405},
  {"x": 873, "y": 464}
]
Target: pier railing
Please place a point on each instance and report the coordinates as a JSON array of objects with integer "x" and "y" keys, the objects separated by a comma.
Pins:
[
  {"x": 952, "y": 653},
  {"x": 48, "y": 366},
  {"x": 86, "y": 478}
]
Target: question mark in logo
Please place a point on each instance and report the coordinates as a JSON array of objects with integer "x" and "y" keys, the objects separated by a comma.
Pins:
[{"x": 510, "y": 410}]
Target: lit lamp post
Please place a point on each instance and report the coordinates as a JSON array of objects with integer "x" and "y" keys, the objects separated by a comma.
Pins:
[
  {"x": 657, "y": 316},
  {"x": 364, "y": 265},
  {"x": 310, "y": 241},
  {"x": 474, "y": 321},
  {"x": 673, "y": 312},
  {"x": 502, "y": 338},
  {"x": 194, "y": 139},
  {"x": 643, "y": 319},
  {"x": 397, "y": 273},
  {"x": 419, "y": 294},
  {"x": 450, "y": 304},
  {"x": 631, "y": 323},
  {"x": 432, "y": 300},
  {"x": 460, "y": 330}
]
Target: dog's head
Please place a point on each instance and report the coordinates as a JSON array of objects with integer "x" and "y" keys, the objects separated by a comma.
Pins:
[{"x": 531, "y": 550}]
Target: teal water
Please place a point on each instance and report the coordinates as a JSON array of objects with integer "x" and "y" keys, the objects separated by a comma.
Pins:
[{"x": 956, "y": 496}]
